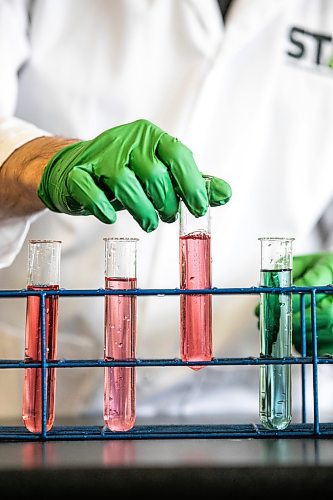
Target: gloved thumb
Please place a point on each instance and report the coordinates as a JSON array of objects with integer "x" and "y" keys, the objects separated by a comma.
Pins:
[{"x": 219, "y": 191}]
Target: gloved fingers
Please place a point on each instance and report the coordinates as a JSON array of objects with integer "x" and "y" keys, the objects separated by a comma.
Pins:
[
  {"x": 296, "y": 299},
  {"x": 117, "y": 205},
  {"x": 219, "y": 191},
  {"x": 318, "y": 273},
  {"x": 156, "y": 182},
  {"x": 84, "y": 191},
  {"x": 324, "y": 322},
  {"x": 188, "y": 181},
  {"x": 129, "y": 192},
  {"x": 313, "y": 269},
  {"x": 301, "y": 263}
]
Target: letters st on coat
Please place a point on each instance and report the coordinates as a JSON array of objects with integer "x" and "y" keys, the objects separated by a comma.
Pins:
[{"x": 311, "y": 47}]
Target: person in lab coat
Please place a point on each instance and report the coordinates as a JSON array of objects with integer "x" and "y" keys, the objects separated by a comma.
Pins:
[{"x": 249, "y": 92}]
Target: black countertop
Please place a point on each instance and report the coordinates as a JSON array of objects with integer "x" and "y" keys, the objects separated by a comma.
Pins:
[{"x": 230, "y": 466}]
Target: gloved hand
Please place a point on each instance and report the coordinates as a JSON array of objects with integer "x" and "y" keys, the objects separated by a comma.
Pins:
[
  {"x": 137, "y": 167},
  {"x": 313, "y": 270}
]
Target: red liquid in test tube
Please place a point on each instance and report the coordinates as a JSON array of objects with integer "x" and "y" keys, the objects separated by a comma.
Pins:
[
  {"x": 195, "y": 310},
  {"x": 120, "y": 336},
  {"x": 44, "y": 260},
  {"x": 32, "y": 393},
  {"x": 120, "y": 333}
]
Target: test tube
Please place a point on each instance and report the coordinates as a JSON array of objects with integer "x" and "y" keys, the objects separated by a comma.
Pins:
[
  {"x": 120, "y": 333},
  {"x": 195, "y": 273},
  {"x": 275, "y": 332},
  {"x": 43, "y": 274}
]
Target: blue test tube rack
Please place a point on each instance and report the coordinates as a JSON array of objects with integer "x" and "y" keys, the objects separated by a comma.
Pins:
[{"x": 304, "y": 429}]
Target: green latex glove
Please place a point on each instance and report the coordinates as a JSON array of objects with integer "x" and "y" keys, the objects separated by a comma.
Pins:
[
  {"x": 313, "y": 270},
  {"x": 137, "y": 167}
]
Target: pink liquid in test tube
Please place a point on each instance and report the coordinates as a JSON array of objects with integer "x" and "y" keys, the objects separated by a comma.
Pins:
[
  {"x": 32, "y": 391},
  {"x": 195, "y": 310},
  {"x": 120, "y": 337}
]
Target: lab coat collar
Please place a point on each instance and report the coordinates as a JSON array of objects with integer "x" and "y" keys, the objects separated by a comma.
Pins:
[
  {"x": 246, "y": 20},
  {"x": 210, "y": 26}
]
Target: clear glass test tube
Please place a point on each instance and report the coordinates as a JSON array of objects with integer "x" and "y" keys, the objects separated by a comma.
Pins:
[
  {"x": 195, "y": 273},
  {"x": 120, "y": 333},
  {"x": 43, "y": 274},
  {"x": 275, "y": 332}
]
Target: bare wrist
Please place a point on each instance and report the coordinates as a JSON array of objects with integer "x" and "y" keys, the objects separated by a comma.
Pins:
[{"x": 21, "y": 174}]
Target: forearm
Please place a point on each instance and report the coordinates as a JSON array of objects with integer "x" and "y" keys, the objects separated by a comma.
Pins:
[{"x": 21, "y": 174}]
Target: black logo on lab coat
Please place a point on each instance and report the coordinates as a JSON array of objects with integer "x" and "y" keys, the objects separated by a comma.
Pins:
[{"x": 310, "y": 48}]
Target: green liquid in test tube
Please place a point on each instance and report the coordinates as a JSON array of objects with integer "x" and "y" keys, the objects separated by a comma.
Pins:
[{"x": 275, "y": 333}]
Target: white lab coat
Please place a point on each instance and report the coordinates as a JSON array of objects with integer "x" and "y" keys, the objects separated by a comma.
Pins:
[{"x": 251, "y": 113}]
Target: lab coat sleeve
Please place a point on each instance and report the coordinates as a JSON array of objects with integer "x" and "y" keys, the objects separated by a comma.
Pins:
[{"x": 14, "y": 52}]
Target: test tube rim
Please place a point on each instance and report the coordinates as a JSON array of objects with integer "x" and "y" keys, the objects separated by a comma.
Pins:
[
  {"x": 44, "y": 241},
  {"x": 120, "y": 239},
  {"x": 278, "y": 238}
]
